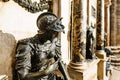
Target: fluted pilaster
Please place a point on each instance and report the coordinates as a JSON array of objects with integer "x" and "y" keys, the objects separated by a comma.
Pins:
[
  {"x": 107, "y": 21},
  {"x": 113, "y": 23}
]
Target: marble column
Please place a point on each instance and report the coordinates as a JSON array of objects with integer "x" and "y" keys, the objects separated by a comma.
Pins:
[
  {"x": 100, "y": 40},
  {"x": 79, "y": 23},
  {"x": 107, "y": 21},
  {"x": 79, "y": 31},
  {"x": 56, "y": 6}
]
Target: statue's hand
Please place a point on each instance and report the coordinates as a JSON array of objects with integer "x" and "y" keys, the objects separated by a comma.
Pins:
[{"x": 52, "y": 67}]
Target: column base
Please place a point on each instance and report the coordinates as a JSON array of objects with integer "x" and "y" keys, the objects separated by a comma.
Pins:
[
  {"x": 101, "y": 54},
  {"x": 84, "y": 71}
]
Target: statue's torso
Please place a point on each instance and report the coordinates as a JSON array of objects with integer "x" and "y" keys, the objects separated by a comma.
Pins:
[{"x": 34, "y": 55}]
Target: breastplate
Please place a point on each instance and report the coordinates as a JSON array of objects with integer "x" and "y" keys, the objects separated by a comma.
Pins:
[{"x": 42, "y": 55}]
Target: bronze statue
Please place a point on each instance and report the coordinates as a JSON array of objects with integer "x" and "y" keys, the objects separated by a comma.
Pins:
[
  {"x": 38, "y": 57},
  {"x": 89, "y": 43}
]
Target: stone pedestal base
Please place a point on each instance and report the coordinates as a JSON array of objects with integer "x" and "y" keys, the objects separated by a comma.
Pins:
[
  {"x": 102, "y": 64},
  {"x": 83, "y": 71}
]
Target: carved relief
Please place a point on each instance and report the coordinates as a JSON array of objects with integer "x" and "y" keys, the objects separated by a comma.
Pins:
[{"x": 33, "y": 7}]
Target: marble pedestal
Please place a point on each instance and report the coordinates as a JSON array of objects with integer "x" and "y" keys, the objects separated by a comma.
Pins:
[{"x": 84, "y": 71}]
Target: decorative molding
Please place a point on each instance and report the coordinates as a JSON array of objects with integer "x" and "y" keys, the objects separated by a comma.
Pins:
[{"x": 34, "y": 7}]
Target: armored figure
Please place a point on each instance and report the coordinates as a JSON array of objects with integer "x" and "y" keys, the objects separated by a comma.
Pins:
[{"x": 38, "y": 57}]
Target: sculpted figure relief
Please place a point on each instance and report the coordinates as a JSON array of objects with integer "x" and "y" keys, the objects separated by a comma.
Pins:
[{"x": 38, "y": 57}]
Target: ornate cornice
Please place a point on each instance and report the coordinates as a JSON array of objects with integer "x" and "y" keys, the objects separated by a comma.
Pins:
[{"x": 33, "y": 7}]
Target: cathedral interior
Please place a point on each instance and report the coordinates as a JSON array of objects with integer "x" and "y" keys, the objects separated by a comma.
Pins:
[{"x": 90, "y": 47}]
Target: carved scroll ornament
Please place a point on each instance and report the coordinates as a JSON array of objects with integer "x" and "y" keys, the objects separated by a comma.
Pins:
[{"x": 33, "y": 7}]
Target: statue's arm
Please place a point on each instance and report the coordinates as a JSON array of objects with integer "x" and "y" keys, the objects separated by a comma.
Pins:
[
  {"x": 61, "y": 65},
  {"x": 24, "y": 73}
]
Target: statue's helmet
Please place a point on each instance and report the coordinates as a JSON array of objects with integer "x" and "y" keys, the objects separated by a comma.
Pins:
[{"x": 49, "y": 21}]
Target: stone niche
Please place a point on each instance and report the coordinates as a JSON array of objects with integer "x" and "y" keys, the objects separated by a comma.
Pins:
[{"x": 7, "y": 53}]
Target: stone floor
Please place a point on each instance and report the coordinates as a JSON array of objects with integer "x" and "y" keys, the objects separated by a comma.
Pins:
[{"x": 115, "y": 73}]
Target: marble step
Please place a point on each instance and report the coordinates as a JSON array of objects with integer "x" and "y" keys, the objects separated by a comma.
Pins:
[
  {"x": 115, "y": 59},
  {"x": 114, "y": 47},
  {"x": 115, "y": 51},
  {"x": 115, "y": 64}
]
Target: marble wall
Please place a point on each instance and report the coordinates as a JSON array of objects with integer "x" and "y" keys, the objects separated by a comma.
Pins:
[{"x": 7, "y": 54}]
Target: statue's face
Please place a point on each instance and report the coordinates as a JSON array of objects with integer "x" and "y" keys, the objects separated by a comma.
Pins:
[
  {"x": 50, "y": 35},
  {"x": 54, "y": 34}
]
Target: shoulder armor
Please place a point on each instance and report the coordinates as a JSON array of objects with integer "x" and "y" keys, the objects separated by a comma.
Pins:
[
  {"x": 24, "y": 41},
  {"x": 24, "y": 44}
]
